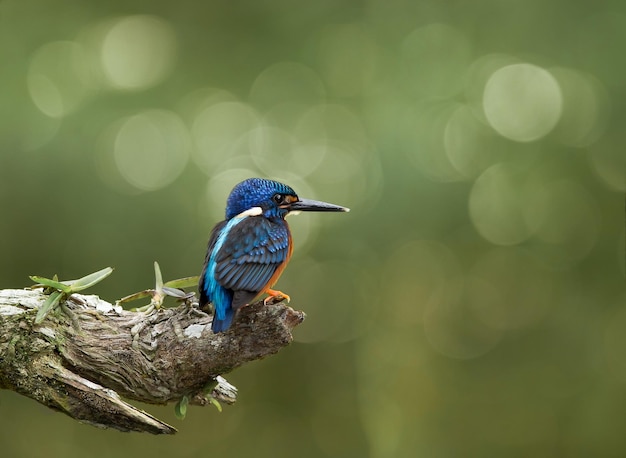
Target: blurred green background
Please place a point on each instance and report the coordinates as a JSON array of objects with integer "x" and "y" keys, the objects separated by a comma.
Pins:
[{"x": 472, "y": 304}]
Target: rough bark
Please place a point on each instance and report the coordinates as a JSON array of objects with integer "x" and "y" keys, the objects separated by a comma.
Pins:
[{"x": 89, "y": 353}]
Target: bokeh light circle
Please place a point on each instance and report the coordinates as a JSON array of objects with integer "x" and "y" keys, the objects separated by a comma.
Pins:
[
  {"x": 138, "y": 52},
  {"x": 478, "y": 73},
  {"x": 469, "y": 144},
  {"x": 331, "y": 122},
  {"x": 496, "y": 204},
  {"x": 427, "y": 124},
  {"x": 60, "y": 78},
  {"x": 522, "y": 102},
  {"x": 195, "y": 102},
  {"x": 151, "y": 149},
  {"x": 585, "y": 108},
  {"x": 218, "y": 130},
  {"x": 270, "y": 147}
]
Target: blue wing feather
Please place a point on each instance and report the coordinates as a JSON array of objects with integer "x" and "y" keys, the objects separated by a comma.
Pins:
[{"x": 251, "y": 254}]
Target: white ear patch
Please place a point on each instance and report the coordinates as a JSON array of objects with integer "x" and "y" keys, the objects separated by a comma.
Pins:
[{"x": 254, "y": 211}]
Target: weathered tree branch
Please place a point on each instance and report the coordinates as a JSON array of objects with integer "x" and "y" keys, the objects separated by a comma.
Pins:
[{"x": 86, "y": 355}]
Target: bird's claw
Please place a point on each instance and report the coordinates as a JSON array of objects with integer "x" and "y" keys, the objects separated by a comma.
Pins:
[{"x": 275, "y": 297}]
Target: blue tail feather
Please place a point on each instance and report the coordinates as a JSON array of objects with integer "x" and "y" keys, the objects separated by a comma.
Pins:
[{"x": 221, "y": 325}]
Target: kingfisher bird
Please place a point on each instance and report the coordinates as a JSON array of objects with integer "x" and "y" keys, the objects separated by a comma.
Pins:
[{"x": 248, "y": 251}]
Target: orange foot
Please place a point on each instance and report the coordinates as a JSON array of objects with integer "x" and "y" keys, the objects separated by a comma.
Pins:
[{"x": 278, "y": 295}]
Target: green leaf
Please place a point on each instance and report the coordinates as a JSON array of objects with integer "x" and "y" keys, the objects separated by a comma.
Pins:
[
  {"x": 47, "y": 306},
  {"x": 65, "y": 288},
  {"x": 181, "y": 407},
  {"x": 186, "y": 282},
  {"x": 207, "y": 390},
  {"x": 136, "y": 296},
  {"x": 51, "y": 283},
  {"x": 89, "y": 280},
  {"x": 158, "y": 276},
  {"x": 216, "y": 403},
  {"x": 177, "y": 293}
]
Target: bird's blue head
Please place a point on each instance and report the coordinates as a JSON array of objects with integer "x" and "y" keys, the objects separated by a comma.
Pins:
[
  {"x": 257, "y": 192},
  {"x": 274, "y": 199}
]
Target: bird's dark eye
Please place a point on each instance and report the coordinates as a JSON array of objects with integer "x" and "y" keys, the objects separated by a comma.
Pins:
[{"x": 278, "y": 198}]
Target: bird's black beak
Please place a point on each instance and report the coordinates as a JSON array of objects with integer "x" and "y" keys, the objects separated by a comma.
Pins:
[{"x": 306, "y": 205}]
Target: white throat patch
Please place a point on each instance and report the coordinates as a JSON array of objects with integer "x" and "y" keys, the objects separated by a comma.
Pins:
[{"x": 254, "y": 211}]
